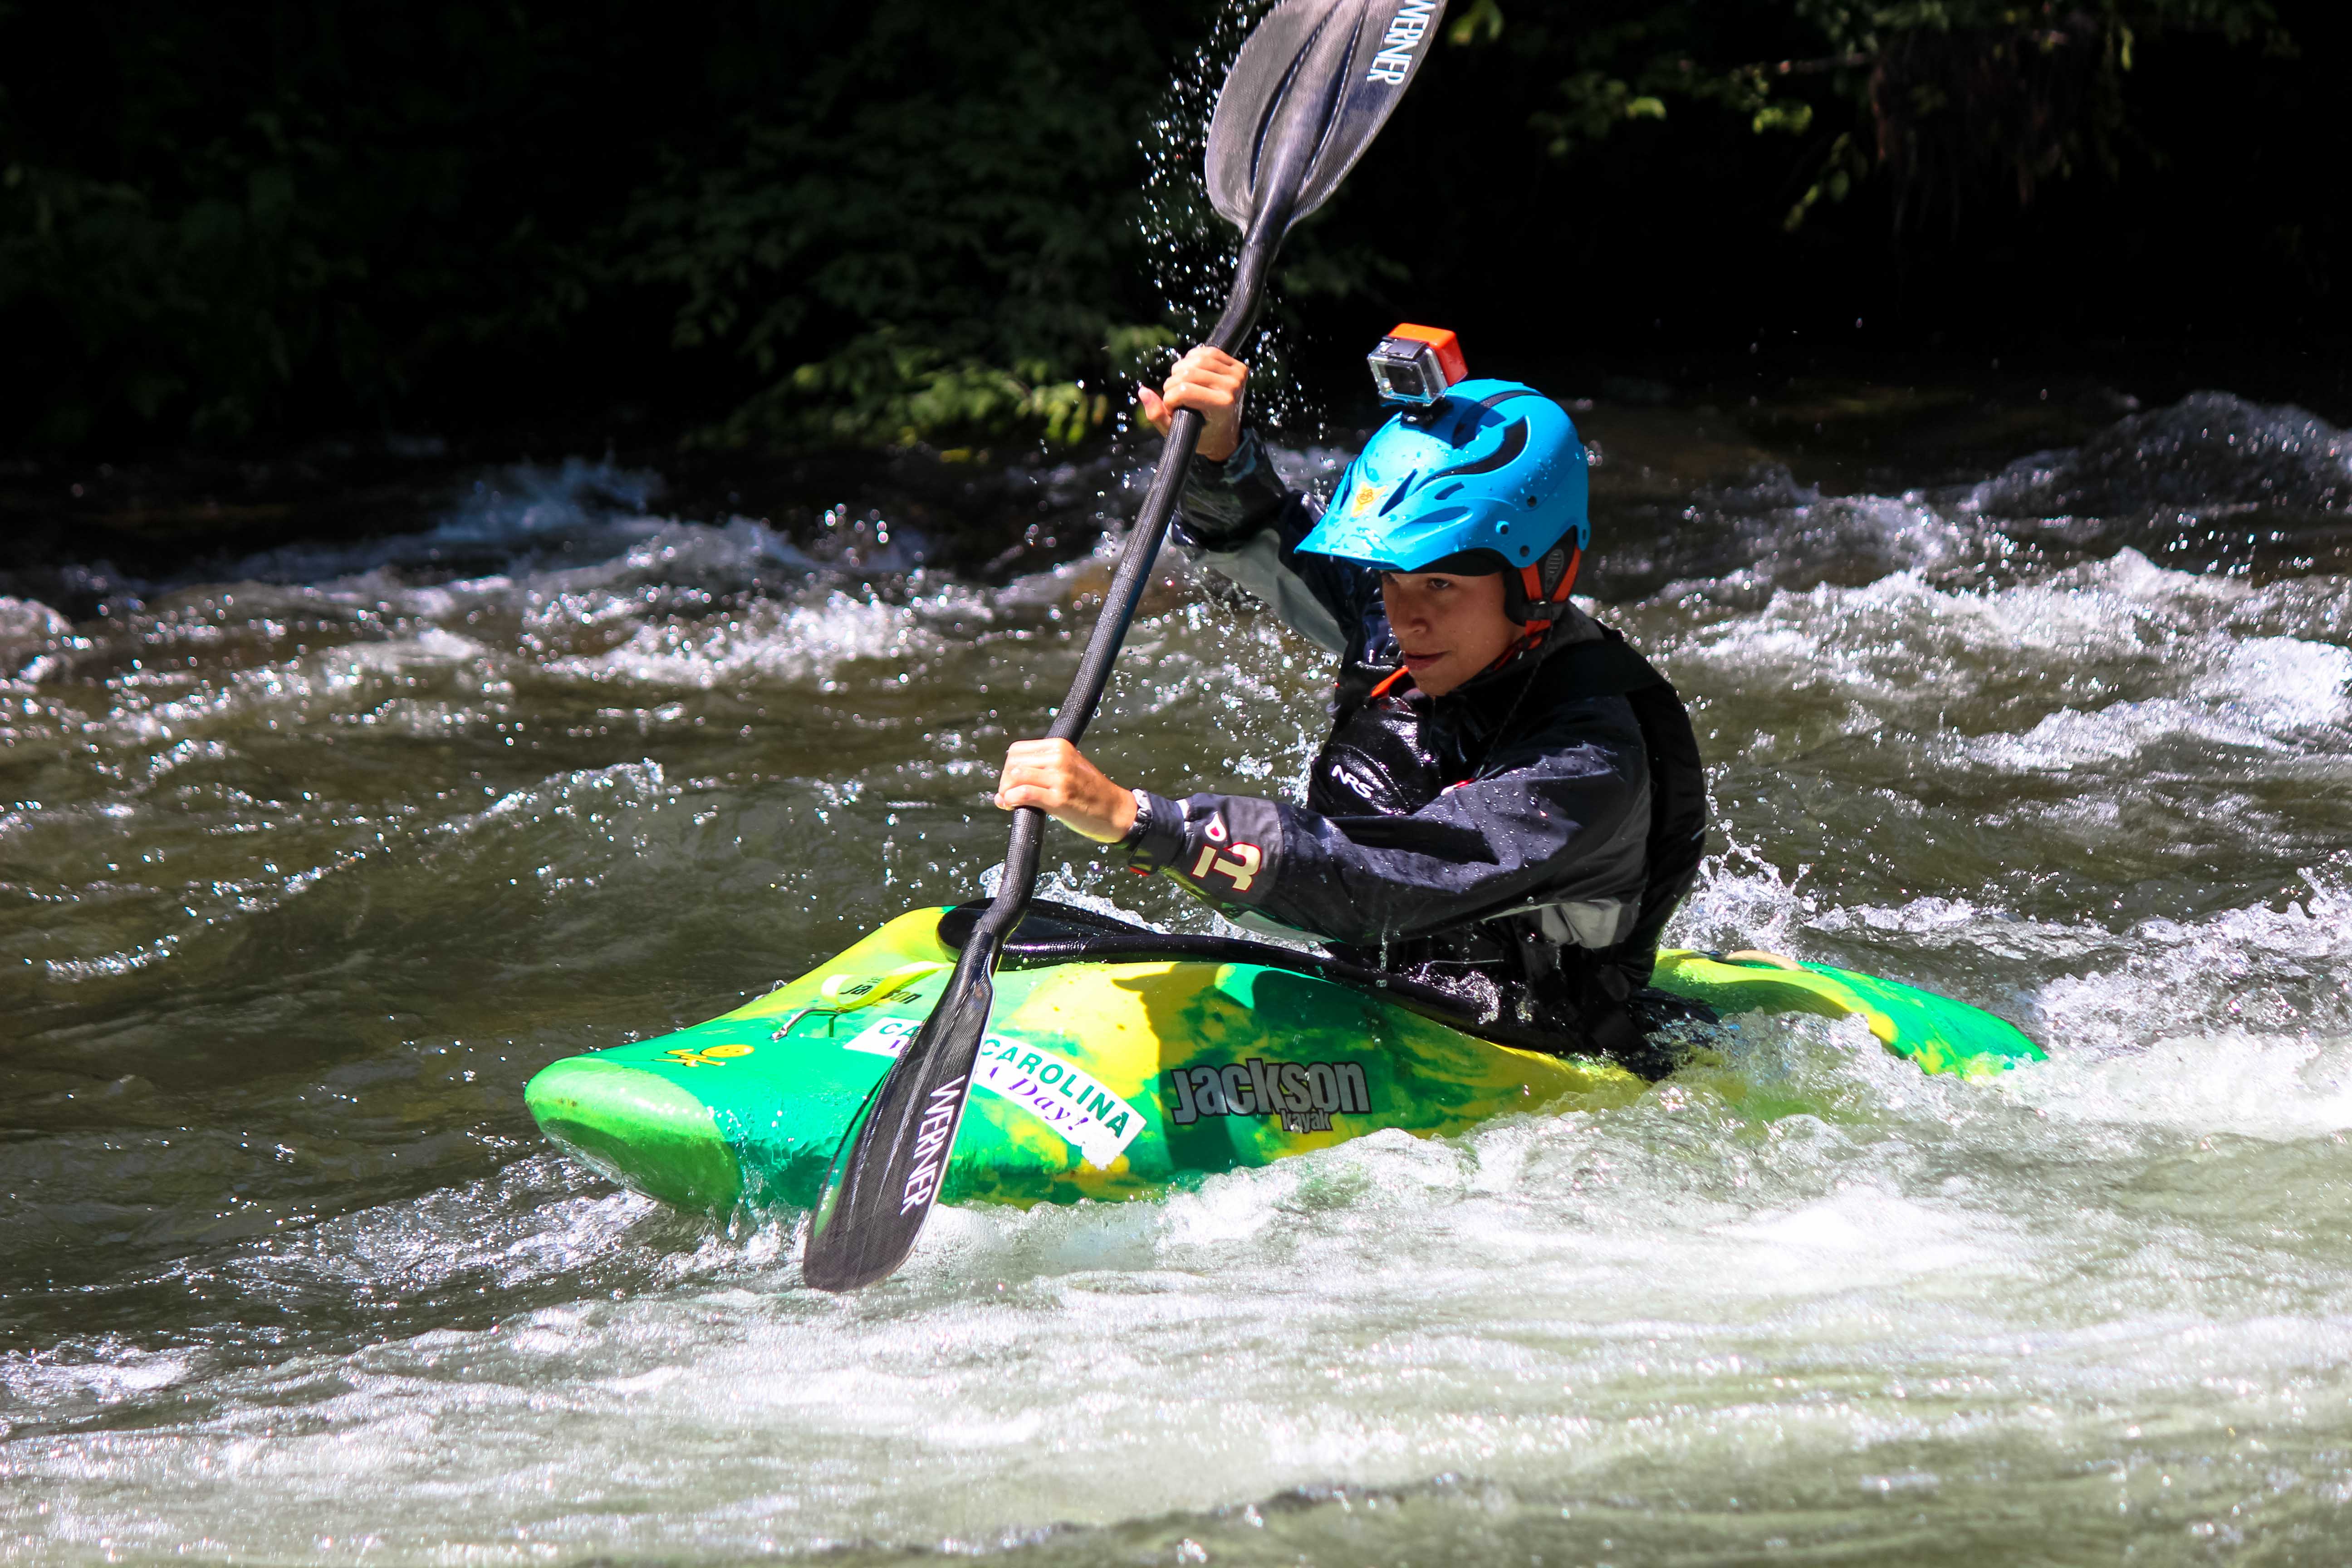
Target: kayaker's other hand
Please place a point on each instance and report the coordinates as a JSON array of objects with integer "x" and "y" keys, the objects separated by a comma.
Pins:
[
  {"x": 1055, "y": 777},
  {"x": 1211, "y": 381}
]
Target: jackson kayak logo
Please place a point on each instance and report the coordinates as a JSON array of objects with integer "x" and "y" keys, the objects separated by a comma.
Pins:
[
  {"x": 1306, "y": 1095},
  {"x": 1410, "y": 25}
]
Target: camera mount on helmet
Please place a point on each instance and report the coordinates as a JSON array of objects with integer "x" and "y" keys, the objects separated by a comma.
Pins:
[{"x": 1415, "y": 364}]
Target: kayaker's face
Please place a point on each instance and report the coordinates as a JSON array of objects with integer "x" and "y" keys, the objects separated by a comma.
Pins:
[{"x": 1449, "y": 627}]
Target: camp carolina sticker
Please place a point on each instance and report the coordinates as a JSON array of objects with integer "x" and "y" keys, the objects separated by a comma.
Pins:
[{"x": 1055, "y": 1089}]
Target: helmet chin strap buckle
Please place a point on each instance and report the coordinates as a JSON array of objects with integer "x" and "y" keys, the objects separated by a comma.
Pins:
[{"x": 1535, "y": 596}]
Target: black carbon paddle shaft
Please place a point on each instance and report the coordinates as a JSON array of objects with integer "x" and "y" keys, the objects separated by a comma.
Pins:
[
  {"x": 1310, "y": 89},
  {"x": 886, "y": 1187}
]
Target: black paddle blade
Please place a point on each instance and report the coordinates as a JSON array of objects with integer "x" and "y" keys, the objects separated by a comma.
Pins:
[
  {"x": 887, "y": 1173},
  {"x": 1306, "y": 95}
]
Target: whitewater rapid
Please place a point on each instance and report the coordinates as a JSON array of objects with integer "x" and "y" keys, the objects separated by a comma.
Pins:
[{"x": 309, "y": 863}]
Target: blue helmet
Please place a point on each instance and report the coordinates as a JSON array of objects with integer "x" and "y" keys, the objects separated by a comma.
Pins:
[{"x": 1491, "y": 476}]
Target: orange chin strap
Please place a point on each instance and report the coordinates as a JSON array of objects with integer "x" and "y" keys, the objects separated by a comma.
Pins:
[
  {"x": 1532, "y": 580},
  {"x": 1541, "y": 609}
]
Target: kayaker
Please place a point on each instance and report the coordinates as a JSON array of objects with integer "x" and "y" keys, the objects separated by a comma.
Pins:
[{"x": 1510, "y": 803}]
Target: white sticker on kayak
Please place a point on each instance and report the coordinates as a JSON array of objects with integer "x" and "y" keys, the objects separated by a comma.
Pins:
[
  {"x": 1055, "y": 1089},
  {"x": 884, "y": 1036}
]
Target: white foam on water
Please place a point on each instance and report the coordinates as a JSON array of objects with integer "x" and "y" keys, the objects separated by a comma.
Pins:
[
  {"x": 348, "y": 678},
  {"x": 1897, "y": 534},
  {"x": 1902, "y": 634},
  {"x": 2067, "y": 738},
  {"x": 2288, "y": 971},
  {"x": 2282, "y": 684},
  {"x": 2089, "y": 669},
  {"x": 30, "y": 620},
  {"x": 686, "y": 552},
  {"x": 2249, "y": 1085},
  {"x": 1550, "y": 1301},
  {"x": 2310, "y": 607},
  {"x": 2264, "y": 694},
  {"x": 641, "y": 784},
  {"x": 1740, "y": 900},
  {"x": 31, "y": 633},
  {"x": 791, "y": 643},
  {"x": 540, "y": 1219},
  {"x": 74, "y": 1381},
  {"x": 1795, "y": 1282}
]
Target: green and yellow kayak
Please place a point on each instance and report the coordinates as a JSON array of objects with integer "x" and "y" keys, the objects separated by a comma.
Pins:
[{"x": 1120, "y": 1060}]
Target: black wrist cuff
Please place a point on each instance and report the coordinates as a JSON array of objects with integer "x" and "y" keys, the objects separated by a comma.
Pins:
[
  {"x": 1158, "y": 836},
  {"x": 1238, "y": 464}
]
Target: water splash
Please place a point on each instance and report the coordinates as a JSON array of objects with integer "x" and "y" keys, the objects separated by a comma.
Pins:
[{"x": 1190, "y": 251}]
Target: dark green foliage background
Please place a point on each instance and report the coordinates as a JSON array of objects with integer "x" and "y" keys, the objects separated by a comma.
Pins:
[{"x": 767, "y": 222}]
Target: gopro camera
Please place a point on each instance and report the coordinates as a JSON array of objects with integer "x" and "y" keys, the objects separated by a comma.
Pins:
[{"x": 1416, "y": 364}]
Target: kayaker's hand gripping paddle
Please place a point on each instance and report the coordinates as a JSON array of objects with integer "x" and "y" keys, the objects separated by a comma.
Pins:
[{"x": 1309, "y": 90}]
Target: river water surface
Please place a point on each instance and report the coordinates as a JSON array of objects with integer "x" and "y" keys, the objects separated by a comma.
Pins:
[{"x": 309, "y": 865}]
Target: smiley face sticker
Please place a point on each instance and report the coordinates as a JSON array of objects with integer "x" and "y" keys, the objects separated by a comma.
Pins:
[{"x": 709, "y": 1055}]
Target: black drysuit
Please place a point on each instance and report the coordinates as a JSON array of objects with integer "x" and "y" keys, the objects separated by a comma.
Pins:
[{"x": 1520, "y": 839}]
